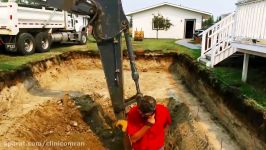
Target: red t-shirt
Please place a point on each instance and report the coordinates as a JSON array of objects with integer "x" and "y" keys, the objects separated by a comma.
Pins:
[{"x": 153, "y": 139}]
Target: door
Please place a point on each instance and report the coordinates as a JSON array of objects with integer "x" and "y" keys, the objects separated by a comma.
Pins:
[
  {"x": 70, "y": 21},
  {"x": 189, "y": 28}
]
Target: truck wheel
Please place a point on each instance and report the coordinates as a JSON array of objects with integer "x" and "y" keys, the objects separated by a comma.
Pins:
[
  {"x": 83, "y": 38},
  {"x": 43, "y": 42},
  {"x": 26, "y": 44}
]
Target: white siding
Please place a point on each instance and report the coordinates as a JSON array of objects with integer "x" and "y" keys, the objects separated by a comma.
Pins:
[
  {"x": 251, "y": 21},
  {"x": 177, "y": 16}
]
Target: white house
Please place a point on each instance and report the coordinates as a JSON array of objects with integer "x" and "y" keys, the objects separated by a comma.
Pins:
[{"x": 185, "y": 20}]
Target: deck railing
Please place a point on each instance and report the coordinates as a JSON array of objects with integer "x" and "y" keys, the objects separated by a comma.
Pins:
[
  {"x": 219, "y": 32},
  {"x": 247, "y": 25}
]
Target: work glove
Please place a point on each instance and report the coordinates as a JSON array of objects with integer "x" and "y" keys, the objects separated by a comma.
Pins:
[{"x": 122, "y": 124}]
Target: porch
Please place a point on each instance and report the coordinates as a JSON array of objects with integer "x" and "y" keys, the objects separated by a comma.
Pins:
[{"x": 244, "y": 31}]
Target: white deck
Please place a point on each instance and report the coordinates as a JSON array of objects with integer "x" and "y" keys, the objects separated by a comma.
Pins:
[
  {"x": 244, "y": 31},
  {"x": 253, "y": 49}
]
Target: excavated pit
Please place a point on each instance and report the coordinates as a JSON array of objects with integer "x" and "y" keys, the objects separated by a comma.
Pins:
[{"x": 66, "y": 105}]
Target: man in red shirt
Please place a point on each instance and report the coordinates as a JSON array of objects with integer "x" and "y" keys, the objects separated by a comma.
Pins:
[{"x": 147, "y": 123}]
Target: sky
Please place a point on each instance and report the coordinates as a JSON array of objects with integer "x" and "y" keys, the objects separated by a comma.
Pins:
[{"x": 216, "y": 7}]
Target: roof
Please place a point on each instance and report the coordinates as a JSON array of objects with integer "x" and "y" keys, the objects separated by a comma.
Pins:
[{"x": 169, "y": 4}]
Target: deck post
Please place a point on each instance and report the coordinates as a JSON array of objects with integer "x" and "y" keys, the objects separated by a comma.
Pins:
[{"x": 245, "y": 67}]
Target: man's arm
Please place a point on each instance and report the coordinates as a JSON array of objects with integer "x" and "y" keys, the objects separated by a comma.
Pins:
[
  {"x": 139, "y": 134},
  {"x": 135, "y": 137}
]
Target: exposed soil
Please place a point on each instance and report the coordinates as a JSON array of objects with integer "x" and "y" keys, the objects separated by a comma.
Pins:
[
  {"x": 48, "y": 125},
  {"x": 235, "y": 111},
  {"x": 70, "y": 103}
]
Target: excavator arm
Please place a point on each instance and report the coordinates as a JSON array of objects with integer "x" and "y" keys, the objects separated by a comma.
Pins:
[{"x": 109, "y": 22}]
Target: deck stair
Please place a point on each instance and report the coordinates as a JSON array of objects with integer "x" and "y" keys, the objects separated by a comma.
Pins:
[{"x": 216, "y": 42}]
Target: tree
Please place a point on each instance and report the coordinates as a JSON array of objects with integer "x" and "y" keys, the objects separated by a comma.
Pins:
[
  {"x": 160, "y": 23},
  {"x": 207, "y": 23}
]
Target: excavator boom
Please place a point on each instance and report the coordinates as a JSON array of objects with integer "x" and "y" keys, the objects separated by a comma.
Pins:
[{"x": 109, "y": 21}]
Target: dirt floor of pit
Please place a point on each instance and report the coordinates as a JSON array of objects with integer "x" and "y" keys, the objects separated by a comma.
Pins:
[{"x": 35, "y": 111}]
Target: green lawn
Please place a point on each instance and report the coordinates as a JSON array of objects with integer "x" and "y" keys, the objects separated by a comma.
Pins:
[
  {"x": 166, "y": 45},
  {"x": 255, "y": 87},
  {"x": 11, "y": 62}
]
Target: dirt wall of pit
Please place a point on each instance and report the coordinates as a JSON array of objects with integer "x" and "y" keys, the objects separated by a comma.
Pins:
[
  {"x": 9, "y": 80},
  {"x": 240, "y": 116}
]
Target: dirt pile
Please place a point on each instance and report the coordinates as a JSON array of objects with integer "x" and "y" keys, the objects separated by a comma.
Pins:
[
  {"x": 185, "y": 133},
  {"x": 61, "y": 125}
]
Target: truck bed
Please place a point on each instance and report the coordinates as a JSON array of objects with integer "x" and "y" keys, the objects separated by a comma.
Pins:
[
  {"x": 14, "y": 17},
  {"x": 39, "y": 18}
]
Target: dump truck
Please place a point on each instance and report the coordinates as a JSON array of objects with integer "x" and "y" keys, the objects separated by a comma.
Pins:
[{"x": 28, "y": 28}]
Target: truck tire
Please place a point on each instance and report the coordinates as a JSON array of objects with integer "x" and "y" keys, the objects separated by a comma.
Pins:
[
  {"x": 83, "y": 38},
  {"x": 43, "y": 42},
  {"x": 26, "y": 44}
]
